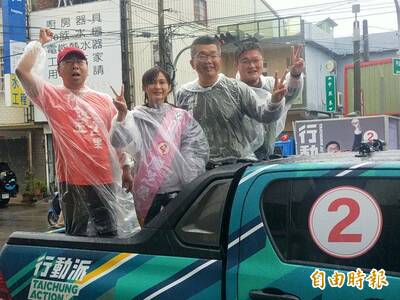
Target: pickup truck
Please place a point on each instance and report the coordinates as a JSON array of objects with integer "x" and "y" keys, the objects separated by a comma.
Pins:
[{"x": 323, "y": 227}]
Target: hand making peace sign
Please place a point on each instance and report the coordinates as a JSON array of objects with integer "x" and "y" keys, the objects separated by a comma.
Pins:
[
  {"x": 280, "y": 89},
  {"x": 120, "y": 104},
  {"x": 297, "y": 63}
]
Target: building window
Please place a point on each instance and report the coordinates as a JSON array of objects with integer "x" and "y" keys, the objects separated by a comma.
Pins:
[{"x": 200, "y": 11}]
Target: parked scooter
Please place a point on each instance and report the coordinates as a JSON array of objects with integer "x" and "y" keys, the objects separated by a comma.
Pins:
[
  {"x": 54, "y": 210},
  {"x": 8, "y": 184}
]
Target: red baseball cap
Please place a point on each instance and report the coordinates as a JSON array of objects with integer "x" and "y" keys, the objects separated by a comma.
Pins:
[{"x": 68, "y": 50}]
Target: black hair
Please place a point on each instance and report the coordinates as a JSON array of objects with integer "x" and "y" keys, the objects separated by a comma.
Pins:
[
  {"x": 332, "y": 143},
  {"x": 150, "y": 76},
  {"x": 204, "y": 40},
  {"x": 243, "y": 47}
]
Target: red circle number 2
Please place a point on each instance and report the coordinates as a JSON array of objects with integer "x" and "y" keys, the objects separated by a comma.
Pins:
[
  {"x": 345, "y": 222},
  {"x": 336, "y": 234}
]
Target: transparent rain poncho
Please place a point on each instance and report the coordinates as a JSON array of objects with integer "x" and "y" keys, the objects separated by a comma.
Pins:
[
  {"x": 88, "y": 168},
  {"x": 230, "y": 116},
  {"x": 274, "y": 128},
  {"x": 169, "y": 149}
]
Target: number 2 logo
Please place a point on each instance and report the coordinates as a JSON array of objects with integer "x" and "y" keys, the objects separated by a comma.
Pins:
[
  {"x": 336, "y": 234},
  {"x": 345, "y": 222},
  {"x": 370, "y": 135}
]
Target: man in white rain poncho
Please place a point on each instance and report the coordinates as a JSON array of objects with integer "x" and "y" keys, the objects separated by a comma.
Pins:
[
  {"x": 249, "y": 64},
  {"x": 168, "y": 145},
  {"x": 80, "y": 119},
  {"x": 221, "y": 104}
]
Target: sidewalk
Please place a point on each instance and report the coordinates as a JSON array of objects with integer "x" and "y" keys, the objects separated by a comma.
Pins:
[{"x": 18, "y": 200}]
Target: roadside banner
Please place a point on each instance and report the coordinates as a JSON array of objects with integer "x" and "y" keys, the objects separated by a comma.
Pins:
[
  {"x": 14, "y": 37},
  {"x": 345, "y": 134},
  {"x": 93, "y": 27}
]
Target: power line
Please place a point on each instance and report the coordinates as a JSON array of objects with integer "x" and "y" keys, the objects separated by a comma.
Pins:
[
  {"x": 140, "y": 31},
  {"x": 218, "y": 21},
  {"x": 146, "y": 31}
]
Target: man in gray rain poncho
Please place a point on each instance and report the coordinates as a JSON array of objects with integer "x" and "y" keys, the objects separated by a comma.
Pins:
[
  {"x": 249, "y": 64},
  {"x": 222, "y": 105},
  {"x": 87, "y": 166}
]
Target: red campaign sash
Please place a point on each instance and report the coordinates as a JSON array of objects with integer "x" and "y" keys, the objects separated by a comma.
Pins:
[{"x": 153, "y": 169}]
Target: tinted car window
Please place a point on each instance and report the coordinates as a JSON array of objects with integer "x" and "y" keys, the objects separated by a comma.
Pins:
[
  {"x": 287, "y": 205},
  {"x": 201, "y": 225}
]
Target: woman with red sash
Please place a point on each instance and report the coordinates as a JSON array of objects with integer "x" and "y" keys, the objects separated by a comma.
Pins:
[{"x": 167, "y": 144}]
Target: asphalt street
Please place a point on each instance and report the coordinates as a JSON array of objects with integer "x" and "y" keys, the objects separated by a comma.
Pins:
[{"x": 19, "y": 216}]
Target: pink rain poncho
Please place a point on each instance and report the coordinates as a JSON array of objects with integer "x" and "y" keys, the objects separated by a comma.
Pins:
[{"x": 169, "y": 149}]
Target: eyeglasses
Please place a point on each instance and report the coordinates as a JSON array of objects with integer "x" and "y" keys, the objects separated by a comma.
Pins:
[
  {"x": 204, "y": 57},
  {"x": 71, "y": 61},
  {"x": 248, "y": 62}
]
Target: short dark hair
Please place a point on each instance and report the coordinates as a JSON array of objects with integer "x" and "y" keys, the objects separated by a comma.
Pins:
[
  {"x": 204, "y": 40},
  {"x": 150, "y": 76},
  {"x": 243, "y": 47},
  {"x": 332, "y": 143}
]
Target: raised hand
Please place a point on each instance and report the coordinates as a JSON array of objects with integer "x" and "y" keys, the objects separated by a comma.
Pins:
[
  {"x": 280, "y": 89},
  {"x": 120, "y": 104},
  {"x": 45, "y": 35},
  {"x": 356, "y": 124},
  {"x": 297, "y": 63}
]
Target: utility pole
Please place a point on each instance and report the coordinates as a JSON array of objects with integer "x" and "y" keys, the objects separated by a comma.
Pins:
[
  {"x": 161, "y": 34},
  {"x": 125, "y": 51},
  {"x": 356, "y": 60},
  {"x": 365, "y": 41},
  {"x": 396, "y": 2}
]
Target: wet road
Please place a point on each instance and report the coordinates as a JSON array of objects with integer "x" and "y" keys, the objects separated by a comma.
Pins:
[{"x": 18, "y": 216}]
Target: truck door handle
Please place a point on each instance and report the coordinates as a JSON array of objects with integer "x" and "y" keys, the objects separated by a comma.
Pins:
[{"x": 271, "y": 294}]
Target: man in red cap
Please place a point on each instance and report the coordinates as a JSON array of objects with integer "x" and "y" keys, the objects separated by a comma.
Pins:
[{"x": 80, "y": 119}]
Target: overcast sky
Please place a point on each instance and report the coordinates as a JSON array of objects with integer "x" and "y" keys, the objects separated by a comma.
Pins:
[{"x": 381, "y": 14}]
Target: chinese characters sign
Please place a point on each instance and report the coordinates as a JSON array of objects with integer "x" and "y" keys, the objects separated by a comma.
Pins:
[
  {"x": 57, "y": 277},
  {"x": 344, "y": 134},
  {"x": 14, "y": 38},
  {"x": 330, "y": 90},
  {"x": 396, "y": 66},
  {"x": 94, "y": 28},
  {"x": 357, "y": 279},
  {"x": 310, "y": 139},
  {"x": 82, "y": 31},
  {"x": 14, "y": 92}
]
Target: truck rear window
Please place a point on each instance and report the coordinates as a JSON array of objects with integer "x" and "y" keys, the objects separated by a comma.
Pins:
[{"x": 201, "y": 224}]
